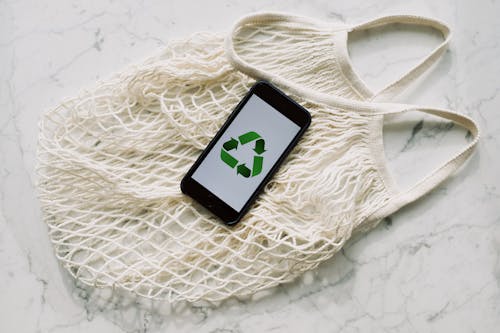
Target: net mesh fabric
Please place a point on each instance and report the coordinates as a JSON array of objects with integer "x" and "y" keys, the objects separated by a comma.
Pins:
[
  {"x": 301, "y": 53},
  {"x": 110, "y": 162}
]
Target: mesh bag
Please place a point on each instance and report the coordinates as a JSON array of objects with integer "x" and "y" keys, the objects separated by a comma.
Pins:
[{"x": 111, "y": 159}]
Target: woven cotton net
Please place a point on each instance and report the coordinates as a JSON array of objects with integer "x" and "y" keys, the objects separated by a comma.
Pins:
[{"x": 111, "y": 159}]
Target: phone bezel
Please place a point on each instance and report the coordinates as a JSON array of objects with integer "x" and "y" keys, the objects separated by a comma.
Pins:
[{"x": 283, "y": 104}]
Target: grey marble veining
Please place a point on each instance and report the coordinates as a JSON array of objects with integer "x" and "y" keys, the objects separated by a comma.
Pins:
[{"x": 432, "y": 267}]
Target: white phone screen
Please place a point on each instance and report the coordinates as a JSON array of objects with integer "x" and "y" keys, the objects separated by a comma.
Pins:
[{"x": 246, "y": 152}]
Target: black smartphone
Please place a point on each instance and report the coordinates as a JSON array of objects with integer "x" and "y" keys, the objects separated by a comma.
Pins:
[{"x": 262, "y": 130}]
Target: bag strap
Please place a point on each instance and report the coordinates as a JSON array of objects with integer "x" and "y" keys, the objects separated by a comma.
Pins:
[
  {"x": 292, "y": 22},
  {"x": 406, "y": 79},
  {"x": 437, "y": 176},
  {"x": 297, "y": 22}
]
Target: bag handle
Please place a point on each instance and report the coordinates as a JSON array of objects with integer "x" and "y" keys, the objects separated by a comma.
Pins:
[
  {"x": 406, "y": 79},
  {"x": 437, "y": 176},
  {"x": 290, "y": 21},
  {"x": 296, "y": 22}
]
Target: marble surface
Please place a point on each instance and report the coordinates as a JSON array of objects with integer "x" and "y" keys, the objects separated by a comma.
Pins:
[{"x": 432, "y": 267}]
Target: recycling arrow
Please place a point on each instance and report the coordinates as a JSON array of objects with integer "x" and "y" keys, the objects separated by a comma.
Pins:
[
  {"x": 259, "y": 149},
  {"x": 243, "y": 170},
  {"x": 259, "y": 146},
  {"x": 257, "y": 165},
  {"x": 226, "y": 157},
  {"x": 247, "y": 137},
  {"x": 231, "y": 144}
]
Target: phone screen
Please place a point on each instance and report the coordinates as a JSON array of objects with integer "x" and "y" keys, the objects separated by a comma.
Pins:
[{"x": 244, "y": 154}]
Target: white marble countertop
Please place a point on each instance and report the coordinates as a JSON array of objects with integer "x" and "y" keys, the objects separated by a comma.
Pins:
[{"x": 432, "y": 267}]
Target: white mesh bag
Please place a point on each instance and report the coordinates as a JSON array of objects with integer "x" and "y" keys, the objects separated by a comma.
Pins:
[{"x": 111, "y": 159}]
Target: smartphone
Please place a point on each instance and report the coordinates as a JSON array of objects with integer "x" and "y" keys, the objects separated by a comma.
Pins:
[{"x": 244, "y": 154}]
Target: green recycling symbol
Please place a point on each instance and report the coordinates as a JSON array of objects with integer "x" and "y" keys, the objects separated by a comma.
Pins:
[{"x": 242, "y": 169}]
